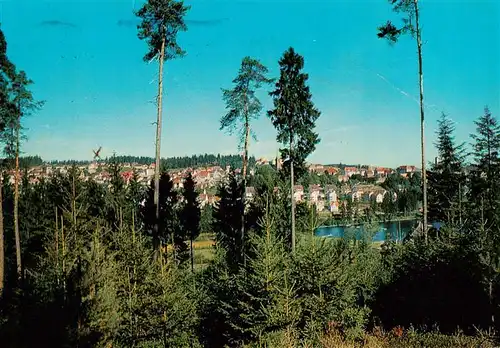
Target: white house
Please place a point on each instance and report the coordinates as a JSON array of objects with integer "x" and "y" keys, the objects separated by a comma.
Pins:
[
  {"x": 314, "y": 193},
  {"x": 378, "y": 196}
]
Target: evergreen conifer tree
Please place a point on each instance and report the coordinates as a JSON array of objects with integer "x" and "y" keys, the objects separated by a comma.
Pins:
[
  {"x": 446, "y": 178},
  {"x": 226, "y": 221},
  {"x": 161, "y": 22},
  {"x": 135, "y": 195},
  {"x": 169, "y": 216},
  {"x": 7, "y": 109},
  {"x": 294, "y": 117},
  {"x": 392, "y": 33},
  {"x": 485, "y": 182},
  {"x": 484, "y": 198},
  {"x": 25, "y": 104},
  {"x": 244, "y": 106},
  {"x": 268, "y": 301},
  {"x": 190, "y": 214}
]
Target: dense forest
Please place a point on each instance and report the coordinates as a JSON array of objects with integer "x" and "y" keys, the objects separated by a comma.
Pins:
[
  {"x": 87, "y": 277},
  {"x": 90, "y": 265}
]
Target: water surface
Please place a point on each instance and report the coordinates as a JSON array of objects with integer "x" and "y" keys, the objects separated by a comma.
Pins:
[{"x": 395, "y": 230}]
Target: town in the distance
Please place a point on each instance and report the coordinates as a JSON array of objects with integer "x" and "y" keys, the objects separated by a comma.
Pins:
[{"x": 325, "y": 187}]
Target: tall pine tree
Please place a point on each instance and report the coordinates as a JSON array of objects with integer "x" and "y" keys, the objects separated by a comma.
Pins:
[
  {"x": 161, "y": 21},
  {"x": 24, "y": 105},
  {"x": 7, "y": 109},
  {"x": 244, "y": 106},
  {"x": 411, "y": 25}
]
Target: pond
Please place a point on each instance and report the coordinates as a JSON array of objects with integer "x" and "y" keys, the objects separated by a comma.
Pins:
[{"x": 395, "y": 229}]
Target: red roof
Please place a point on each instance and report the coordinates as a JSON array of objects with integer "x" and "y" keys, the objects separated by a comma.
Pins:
[
  {"x": 127, "y": 175},
  {"x": 202, "y": 173}
]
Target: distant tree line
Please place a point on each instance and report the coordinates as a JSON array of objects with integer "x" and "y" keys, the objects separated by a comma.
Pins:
[
  {"x": 25, "y": 162},
  {"x": 194, "y": 161}
]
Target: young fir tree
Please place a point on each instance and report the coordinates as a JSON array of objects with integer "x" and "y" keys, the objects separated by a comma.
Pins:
[
  {"x": 486, "y": 148},
  {"x": 206, "y": 218},
  {"x": 190, "y": 214},
  {"x": 392, "y": 33},
  {"x": 226, "y": 222},
  {"x": 161, "y": 21},
  {"x": 118, "y": 207},
  {"x": 95, "y": 197},
  {"x": 243, "y": 107},
  {"x": 294, "y": 117},
  {"x": 267, "y": 297},
  {"x": 169, "y": 220},
  {"x": 156, "y": 302},
  {"x": 484, "y": 197},
  {"x": 135, "y": 195},
  {"x": 446, "y": 179}
]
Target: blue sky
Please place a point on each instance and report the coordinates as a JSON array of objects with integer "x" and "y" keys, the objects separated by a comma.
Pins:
[{"x": 97, "y": 89}]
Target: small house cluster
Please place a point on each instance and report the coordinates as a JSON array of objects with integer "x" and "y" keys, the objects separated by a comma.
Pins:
[{"x": 329, "y": 197}]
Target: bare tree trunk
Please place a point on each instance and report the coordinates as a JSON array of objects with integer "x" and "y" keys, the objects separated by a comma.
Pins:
[
  {"x": 57, "y": 245},
  {"x": 243, "y": 197},
  {"x": 156, "y": 237},
  {"x": 2, "y": 252},
  {"x": 192, "y": 254},
  {"x": 490, "y": 295},
  {"x": 16, "y": 208},
  {"x": 460, "y": 204},
  {"x": 73, "y": 200},
  {"x": 174, "y": 251},
  {"x": 422, "y": 123},
  {"x": 292, "y": 190}
]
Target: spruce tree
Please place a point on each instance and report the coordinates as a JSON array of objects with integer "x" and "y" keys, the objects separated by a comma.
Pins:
[
  {"x": 446, "y": 179},
  {"x": 190, "y": 214},
  {"x": 161, "y": 22},
  {"x": 226, "y": 222},
  {"x": 206, "y": 219},
  {"x": 244, "y": 106},
  {"x": 267, "y": 302},
  {"x": 95, "y": 196},
  {"x": 484, "y": 198},
  {"x": 135, "y": 195},
  {"x": 169, "y": 219},
  {"x": 116, "y": 197},
  {"x": 294, "y": 117},
  {"x": 392, "y": 33},
  {"x": 484, "y": 181}
]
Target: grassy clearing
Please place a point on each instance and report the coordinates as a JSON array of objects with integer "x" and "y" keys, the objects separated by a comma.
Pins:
[
  {"x": 397, "y": 338},
  {"x": 205, "y": 236}
]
